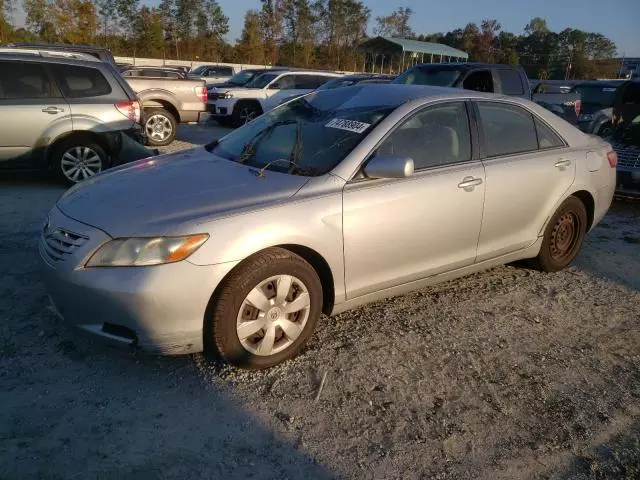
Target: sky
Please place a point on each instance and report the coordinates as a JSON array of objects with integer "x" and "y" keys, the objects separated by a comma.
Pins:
[{"x": 617, "y": 19}]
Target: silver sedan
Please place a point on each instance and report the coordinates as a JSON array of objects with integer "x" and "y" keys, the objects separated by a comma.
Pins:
[{"x": 329, "y": 202}]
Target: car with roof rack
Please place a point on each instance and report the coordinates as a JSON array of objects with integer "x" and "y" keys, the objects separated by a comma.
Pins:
[
  {"x": 165, "y": 101},
  {"x": 64, "y": 111}
]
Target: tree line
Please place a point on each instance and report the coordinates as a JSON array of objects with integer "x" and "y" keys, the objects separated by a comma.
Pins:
[{"x": 301, "y": 33}]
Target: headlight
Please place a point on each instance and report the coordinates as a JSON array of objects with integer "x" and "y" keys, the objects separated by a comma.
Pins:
[
  {"x": 129, "y": 252},
  {"x": 226, "y": 95}
]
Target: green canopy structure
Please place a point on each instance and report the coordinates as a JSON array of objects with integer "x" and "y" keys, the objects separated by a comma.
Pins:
[{"x": 409, "y": 52}]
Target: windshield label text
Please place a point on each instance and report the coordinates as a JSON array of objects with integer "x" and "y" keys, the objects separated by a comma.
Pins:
[{"x": 348, "y": 125}]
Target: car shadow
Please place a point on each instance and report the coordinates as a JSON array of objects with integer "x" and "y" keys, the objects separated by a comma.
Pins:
[
  {"x": 611, "y": 249},
  {"x": 73, "y": 407}
]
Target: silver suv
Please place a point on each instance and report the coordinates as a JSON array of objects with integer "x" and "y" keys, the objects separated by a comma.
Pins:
[{"x": 64, "y": 111}]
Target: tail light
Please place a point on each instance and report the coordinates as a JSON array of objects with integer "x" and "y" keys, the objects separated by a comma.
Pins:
[
  {"x": 131, "y": 110},
  {"x": 577, "y": 107},
  {"x": 201, "y": 92},
  {"x": 612, "y": 156}
]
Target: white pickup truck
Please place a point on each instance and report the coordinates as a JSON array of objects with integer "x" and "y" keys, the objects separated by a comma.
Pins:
[{"x": 237, "y": 106}]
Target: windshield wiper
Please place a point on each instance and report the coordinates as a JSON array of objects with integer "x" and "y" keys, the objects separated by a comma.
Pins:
[{"x": 248, "y": 151}]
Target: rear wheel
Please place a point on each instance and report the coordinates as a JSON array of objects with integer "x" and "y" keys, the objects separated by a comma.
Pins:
[
  {"x": 244, "y": 112},
  {"x": 266, "y": 310},
  {"x": 605, "y": 130},
  {"x": 160, "y": 127},
  {"x": 78, "y": 159},
  {"x": 563, "y": 236}
]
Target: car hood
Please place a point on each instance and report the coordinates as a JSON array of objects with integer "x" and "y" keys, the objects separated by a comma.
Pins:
[{"x": 169, "y": 194}]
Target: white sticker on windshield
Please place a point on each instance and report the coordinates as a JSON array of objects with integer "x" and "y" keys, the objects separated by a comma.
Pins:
[{"x": 348, "y": 125}]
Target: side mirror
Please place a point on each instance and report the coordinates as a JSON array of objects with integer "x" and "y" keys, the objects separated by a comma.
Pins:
[
  {"x": 389, "y": 166},
  {"x": 274, "y": 86}
]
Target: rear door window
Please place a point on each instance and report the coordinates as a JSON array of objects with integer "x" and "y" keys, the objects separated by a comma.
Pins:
[
  {"x": 510, "y": 81},
  {"x": 22, "y": 80},
  {"x": 547, "y": 138},
  {"x": 81, "y": 82},
  {"x": 507, "y": 129}
]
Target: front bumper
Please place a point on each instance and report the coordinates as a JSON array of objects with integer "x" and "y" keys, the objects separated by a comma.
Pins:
[
  {"x": 220, "y": 107},
  {"x": 628, "y": 182},
  {"x": 160, "y": 309}
]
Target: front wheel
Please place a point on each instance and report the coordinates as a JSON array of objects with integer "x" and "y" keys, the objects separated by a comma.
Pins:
[
  {"x": 563, "y": 236},
  {"x": 244, "y": 112},
  {"x": 160, "y": 127},
  {"x": 266, "y": 310}
]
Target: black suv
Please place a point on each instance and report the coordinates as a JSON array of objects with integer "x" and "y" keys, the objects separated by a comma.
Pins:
[{"x": 626, "y": 137}]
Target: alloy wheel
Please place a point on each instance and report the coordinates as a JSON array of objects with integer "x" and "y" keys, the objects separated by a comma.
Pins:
[
  {"x": 247, "y": 114},
  {"x": 158, "y": 127},
  {"x": 80, "y": 163}
]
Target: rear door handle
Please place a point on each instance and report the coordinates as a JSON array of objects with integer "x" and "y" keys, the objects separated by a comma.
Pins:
[
  {"x": 562, "y": 163},
  {"x": 469, "y": 183},
  {"x": 53, "y": 110}
]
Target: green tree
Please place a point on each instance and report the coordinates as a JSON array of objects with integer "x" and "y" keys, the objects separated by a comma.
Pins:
[
  {"x": 249, "y": 47},
  {"x": 299, "y": 33},
  {"x": 127, "y": 11},
  {"x": 271, "y": 23},
  {"x": 396, "y": 24},
  {"x": 6, "y": 17},
  {"x": 148, "y": 33},
  {"x": 38, "y": 19},
  {"x": 108, "y": 13}
]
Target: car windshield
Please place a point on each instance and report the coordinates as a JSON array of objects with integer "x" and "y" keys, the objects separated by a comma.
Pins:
[
  {"x": 437, "y": 77},
  {"x": 198, "y": 70},
  {"x": 261, "y": 81},
  {"x": 308, "y": 136},
  {"x": 596, "y": 94},
  {"x": 243, "y": 77}
]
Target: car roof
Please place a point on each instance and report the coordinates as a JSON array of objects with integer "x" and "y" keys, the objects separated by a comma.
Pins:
[
  {"x": 386, "y": 94},
  {"x": 58, "y": 56},
  {"x": 468, "y": 65}
]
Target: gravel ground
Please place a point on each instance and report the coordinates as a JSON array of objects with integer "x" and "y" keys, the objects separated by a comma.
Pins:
[{"x": 505, "y": 374}]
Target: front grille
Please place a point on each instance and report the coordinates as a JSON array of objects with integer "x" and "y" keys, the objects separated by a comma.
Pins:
[
  {"x": 56, "y": 244},
  {"x": 628, "y": 155}
]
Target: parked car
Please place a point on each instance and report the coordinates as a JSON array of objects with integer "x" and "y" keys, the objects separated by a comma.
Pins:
[
  {"x": 597, "y": 105},
  {"x": 347, "y": 81},
  {"x": 98, "y": 52},
  {"x": 213, "y": 73},
  {"x": 626, "y": 137},
  {"x": 551, "y": 86},
  {"x": 153, "y": 72},
  {"x": 237, "y": 106},
  {"x": 331, "y": 201},
  {"x": 166, "y": 101},
  {"x": 243, "y": 77},
  {"x": 491, "y": 78},
  {"x": 63, "y": 111}
]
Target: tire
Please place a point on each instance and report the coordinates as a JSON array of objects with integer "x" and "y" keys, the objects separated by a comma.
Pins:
[
  {"x": 244, "y": 112},
  {"x": 77, "y": 159},
  {"x": 264, "y": 272},
  {"x": 159, "y": 126},
  {"x": 563, "y": 236},
  {"x": 605, "y": 130}
]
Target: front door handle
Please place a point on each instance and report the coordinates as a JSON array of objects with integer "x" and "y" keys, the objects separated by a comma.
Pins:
[
  {"x": 562, "y": 163},
  {"x": 53, "y": 110},
  {"x": 469, "y": 183}
]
